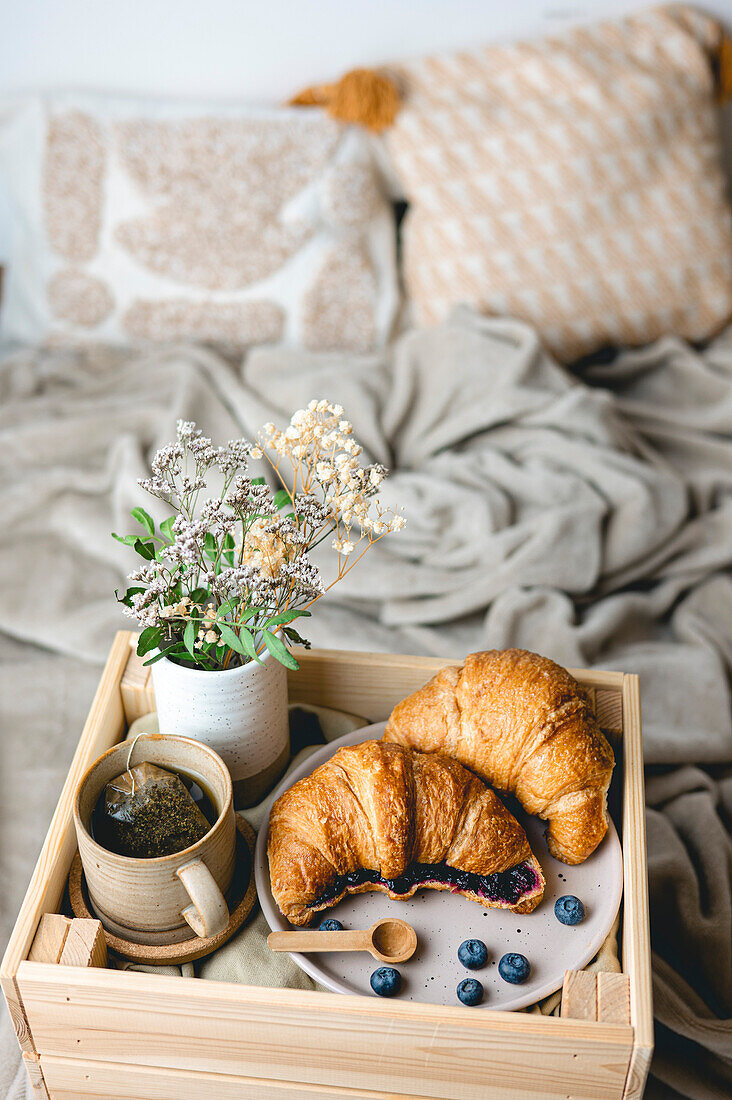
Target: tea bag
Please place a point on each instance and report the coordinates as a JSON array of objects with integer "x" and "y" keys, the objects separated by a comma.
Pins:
[{"x": 149, "y": 812}]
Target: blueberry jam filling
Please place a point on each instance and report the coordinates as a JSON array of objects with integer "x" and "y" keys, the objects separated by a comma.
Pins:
[{"x": 503, "y": 886}]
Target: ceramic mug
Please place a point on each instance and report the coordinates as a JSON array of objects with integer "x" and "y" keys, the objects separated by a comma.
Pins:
[{"x": 157, "y": 901}]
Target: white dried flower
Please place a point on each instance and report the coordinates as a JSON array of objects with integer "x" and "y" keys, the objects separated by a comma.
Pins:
[
  {"x": 238, "y": 547},
  {"x": 343, "y": 546}
]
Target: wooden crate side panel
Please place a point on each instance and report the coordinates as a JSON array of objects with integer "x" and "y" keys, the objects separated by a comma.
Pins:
[
  {"x": 640, "y": 1065},
  {"x": 372, "y": 683},
  {"x": 18, "y": 1017},
  {"x": 636, "y": 930},
  {"x": 70, "y": 1078},
  {"x": 367, "y": 683},
  {"x": 103, "y": 727},
  {"x": 32, "y": 1065},
  {"x": 318, "y": 1038}
]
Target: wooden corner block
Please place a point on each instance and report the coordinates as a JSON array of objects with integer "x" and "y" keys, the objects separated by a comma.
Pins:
[
  {"x": 136, "y": 688},
  {"x": 48, "y": 942},
  {"x": 85, "y": 944},
  {"x": 613, "y": 998},
  {"x": 579, "y": 995},
  {"x": 32, "y": 1065}
]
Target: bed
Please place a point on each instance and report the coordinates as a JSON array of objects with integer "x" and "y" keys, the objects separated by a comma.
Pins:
[{"x": 583, "y": 511}]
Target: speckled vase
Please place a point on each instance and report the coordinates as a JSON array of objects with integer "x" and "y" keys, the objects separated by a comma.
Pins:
[{"x": 241, "y": 713}]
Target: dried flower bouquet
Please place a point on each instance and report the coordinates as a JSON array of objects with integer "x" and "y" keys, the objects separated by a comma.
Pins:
[{"x": 225, "y": 578}]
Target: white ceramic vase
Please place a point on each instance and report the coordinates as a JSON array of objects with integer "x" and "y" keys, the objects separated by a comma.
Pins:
[{"x": 241, "y": 713}]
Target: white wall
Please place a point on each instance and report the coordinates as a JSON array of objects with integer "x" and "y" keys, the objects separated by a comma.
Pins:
[{"x": 258, "y": 51}]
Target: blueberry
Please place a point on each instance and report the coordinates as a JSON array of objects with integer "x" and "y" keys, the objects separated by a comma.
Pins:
[
  {"x": 330, "y": 925},
  {"x": 473, "y": 954},
  {"x": 470, "y": 992},
  {"x": 514, "y": 968},
  {"x": 569, "y": 910},
  {"x": 386, "y": 981}
]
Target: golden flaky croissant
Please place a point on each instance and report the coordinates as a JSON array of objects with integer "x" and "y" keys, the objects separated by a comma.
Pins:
[
  {"x": 526, "y": 726},
  {"x": 378, "y": 817}
]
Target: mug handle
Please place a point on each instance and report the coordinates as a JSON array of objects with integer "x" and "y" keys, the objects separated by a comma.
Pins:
[{"x": 209, "y": 913}]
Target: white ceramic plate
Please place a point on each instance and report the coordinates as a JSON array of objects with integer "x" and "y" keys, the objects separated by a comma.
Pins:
[{"x": 443, "y": 920}]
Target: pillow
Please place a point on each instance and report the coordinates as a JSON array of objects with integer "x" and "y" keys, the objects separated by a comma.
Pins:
[
  {"x": 574, "y": 183},
  {"x": 134, "y": 222}
]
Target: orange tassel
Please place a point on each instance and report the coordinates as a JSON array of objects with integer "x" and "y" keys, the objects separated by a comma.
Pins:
[
  {"x": 724, "y": 69},
  {"x": 361, "y": 96}
]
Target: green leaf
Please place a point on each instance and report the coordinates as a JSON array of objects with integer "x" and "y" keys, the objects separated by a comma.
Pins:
[
  {"x": 257, "y": 481},
  {"x": 226, "y": 608},
  {"x": 146, "y": 550},
  {"x": 189, "y": 636},
  {"x": 243, "y": 643},
  {"x": 149, "y": 639},
  {"x": 198, "y": 595},
  {"x": 287, "y": 617},
  {"x": 293, "y": 635},
  {"x": 248, "y": 643},
  {"x": 281, "y": 498},
  {"x": 159, "y": 656},
  {"x": 166, "y": 528},
  {"x": 229, "y": 607},
  {"x": 279, "y": 650},
  {"x": 128, "y": 540},
  {"x": 127, "y": 598},
  {"x": 211, "y": 550},
  {"x": 144, "y": 518},
  {"x": 229, "y": 546},
  {"x": 231, "y": 639}
]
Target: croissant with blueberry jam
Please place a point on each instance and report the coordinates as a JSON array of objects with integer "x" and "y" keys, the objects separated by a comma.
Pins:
[{"x": 377, "y": 816}]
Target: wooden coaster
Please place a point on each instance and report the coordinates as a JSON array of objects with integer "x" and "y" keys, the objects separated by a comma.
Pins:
[{"x": 240, "y": 898}]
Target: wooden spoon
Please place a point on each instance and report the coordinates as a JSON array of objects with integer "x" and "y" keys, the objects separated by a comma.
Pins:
[{"x": 389, "y": 940}]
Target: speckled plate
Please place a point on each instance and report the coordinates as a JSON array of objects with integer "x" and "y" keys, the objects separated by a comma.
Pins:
[{"x": 443, "y": 920}]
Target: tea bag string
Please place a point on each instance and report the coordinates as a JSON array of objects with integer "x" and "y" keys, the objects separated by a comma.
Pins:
[{"x": 129, "y": 758}]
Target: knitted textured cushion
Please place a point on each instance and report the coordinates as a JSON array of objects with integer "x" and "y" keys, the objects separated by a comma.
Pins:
[
  {"x": 574, "y": 183},
  {"x": 140, "y": 220}
]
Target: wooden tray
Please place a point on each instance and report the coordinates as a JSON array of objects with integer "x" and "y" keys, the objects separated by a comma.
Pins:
[{"x": 92, "y": 1032}]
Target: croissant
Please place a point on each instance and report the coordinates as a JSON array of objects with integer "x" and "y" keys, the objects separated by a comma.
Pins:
[
  {"x": 378, "y": 817},
  {"x": 525, "y": 726}
]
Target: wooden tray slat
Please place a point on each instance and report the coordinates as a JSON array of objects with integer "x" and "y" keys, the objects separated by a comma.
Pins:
[
  {"x": 70, "y": 1078},
  {"x": 314, "y": 1038},
  {"x": 104, "y": 727},
  {"x": 636, "y": 930}
]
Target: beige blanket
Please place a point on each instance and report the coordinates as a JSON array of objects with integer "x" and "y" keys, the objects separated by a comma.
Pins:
[{"x": 591, "y": 520}]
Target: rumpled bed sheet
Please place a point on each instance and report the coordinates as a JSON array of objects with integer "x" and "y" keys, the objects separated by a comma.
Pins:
[{"x": 587, "y": 517}]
